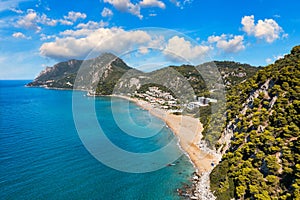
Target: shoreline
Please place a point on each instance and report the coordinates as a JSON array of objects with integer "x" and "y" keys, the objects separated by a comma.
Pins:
[
  {"x": 188, "y": 131},
  {"x": 189, "y": 134}
]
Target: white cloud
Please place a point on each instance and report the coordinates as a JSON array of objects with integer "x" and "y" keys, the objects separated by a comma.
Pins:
[
  {"x": 10, "y": 4},
  {"x": 106, "y": 12},
  {"x": 46, "y": 37},
  {"x": 29, "y": 21},
  {"x": 181, "y": 3},
  {"x": 18, "y": 11},
  {"x": 285, "y": 35},
  {"x": 278, "y": 57},
  {"x": 33, "y": 20},
  {"x": 76, "y": 33},
  {"x": 115, "y": 40},
  {"x": 134, "y": 7},
  {"x": 20, "y": 35},
  {"x": 228, "y": 43},
  {"x": 269, "y": 60},
  {"x": 90, "y": 38},
  {"x": 71, "y": 18},
  {"x": 91, "y": 25},
  {"x": 248, "y": 24},
  {"x": 143, "y": 50},
  {"x": 152, "y": 3},
  {"x": 126, "y": 6},
  {"x": 267, "y": 29},
  {"x": 178, "y": 48},
  {"x": 66, "y": 22},
  {"x": 74, "y": 16},
  {"x": 47, "y": 21},
  {"x": 157, "y": 42}
]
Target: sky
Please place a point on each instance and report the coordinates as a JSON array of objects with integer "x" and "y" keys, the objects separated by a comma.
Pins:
[{"x": 146, "y": 34}]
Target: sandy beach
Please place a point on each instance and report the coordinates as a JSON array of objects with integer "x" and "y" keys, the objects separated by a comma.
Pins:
[{"x": 188, "y": 130}]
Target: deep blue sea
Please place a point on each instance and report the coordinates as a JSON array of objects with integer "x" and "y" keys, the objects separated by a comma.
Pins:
[{"x": 43, "y": 157}]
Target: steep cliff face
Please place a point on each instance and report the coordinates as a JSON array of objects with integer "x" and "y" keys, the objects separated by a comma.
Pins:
[{"x": 260, "y": 138}]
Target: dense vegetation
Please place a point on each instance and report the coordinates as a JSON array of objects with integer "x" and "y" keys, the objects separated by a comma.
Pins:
[{"x": 263, "y": 114}]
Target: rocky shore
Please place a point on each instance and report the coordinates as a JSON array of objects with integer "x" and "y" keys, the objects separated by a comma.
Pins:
[{"x": 199, "y": 190}]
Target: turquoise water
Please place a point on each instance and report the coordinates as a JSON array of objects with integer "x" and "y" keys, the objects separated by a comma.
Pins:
[{"x": 42, "y": 156}]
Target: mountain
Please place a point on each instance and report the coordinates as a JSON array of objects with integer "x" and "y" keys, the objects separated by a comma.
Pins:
[
  {"x": 101, "y": 73},
  {"x": 109, "y": 74},
  {"x": 260, "y": 136}
]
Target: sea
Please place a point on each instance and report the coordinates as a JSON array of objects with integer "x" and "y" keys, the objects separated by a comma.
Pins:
[{"x": 43, "y": 155}]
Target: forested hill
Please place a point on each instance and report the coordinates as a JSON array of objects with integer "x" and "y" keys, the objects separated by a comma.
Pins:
[
  {"x": 108, "y": 72},
  {"x": 263, "y": 120}
]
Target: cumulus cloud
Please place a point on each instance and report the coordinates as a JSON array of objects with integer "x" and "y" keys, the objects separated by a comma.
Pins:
[
  {"x": 46, "y": 37},
  {"x": 126, "y": 6},
  {"x": 178, "y": 48},
  {"x": 115, "y": 40},
  {"x": 74, "y": 16},
  {"x": 71, "y": 18},
  {"x": 84, "y": 29},
  {"x": 134, "y": 8},
  {"x": 20, "y": 35},
  {"x": 267, "y": 29},
  {"x": 152, "y": 3},
  {"x": 91, "y": 25},
  {"x": 29, "y": 21},
  {"x": 47, "y": 21},
  {"x": 89, "y": 38},
  {"x": 106, "y": 12},
  {"x": 76, "y": 33},
  {"x": 33, "y": 20},
  {"x": 66, "y": 22},
  {"x": 228, "y": 43}
]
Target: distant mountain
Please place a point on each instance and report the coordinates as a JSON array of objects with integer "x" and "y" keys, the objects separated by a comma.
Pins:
[
  {"x": 101, "y": 73},
  {"x": 107, "y": 74},
  {"x": 260, "y": 137}
]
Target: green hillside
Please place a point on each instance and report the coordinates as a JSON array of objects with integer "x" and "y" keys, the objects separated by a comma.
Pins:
[{"x": 263, "y": 116}]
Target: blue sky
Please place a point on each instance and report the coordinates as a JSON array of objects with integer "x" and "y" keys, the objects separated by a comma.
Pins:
[{"x": 147, "y": 34}]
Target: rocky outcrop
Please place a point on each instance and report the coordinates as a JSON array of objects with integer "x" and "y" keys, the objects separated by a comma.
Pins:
[{"x": 199, "y": 190}]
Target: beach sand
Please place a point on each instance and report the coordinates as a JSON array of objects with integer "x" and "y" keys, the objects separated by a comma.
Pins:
[{"x": 188, "y": 130}]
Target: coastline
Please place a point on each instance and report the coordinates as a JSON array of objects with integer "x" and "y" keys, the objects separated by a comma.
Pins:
[{"x": 187, "y": 129}]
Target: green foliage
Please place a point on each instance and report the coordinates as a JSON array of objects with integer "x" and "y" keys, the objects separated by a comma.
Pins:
[
  {"x": 264, "y": 155},
  {"x": 221, "y": 183}
]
